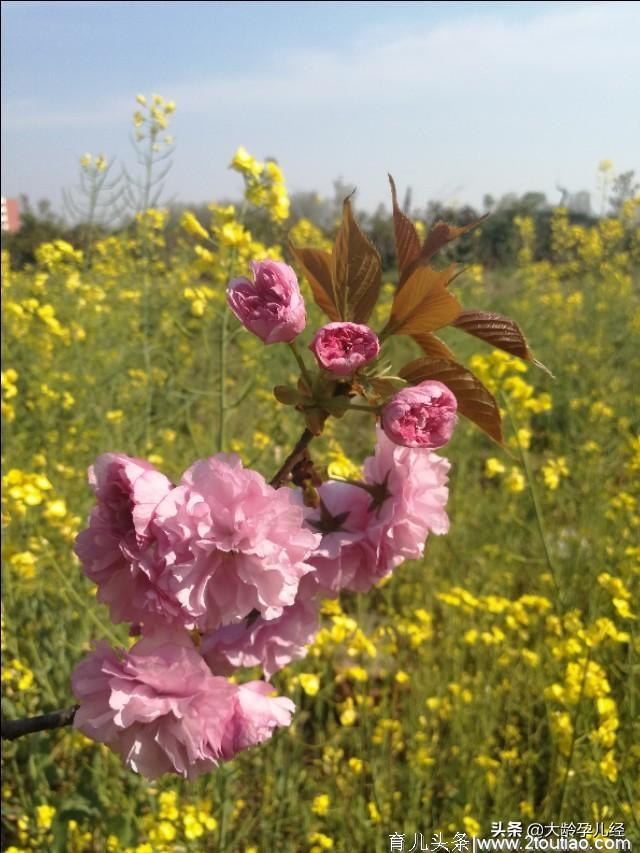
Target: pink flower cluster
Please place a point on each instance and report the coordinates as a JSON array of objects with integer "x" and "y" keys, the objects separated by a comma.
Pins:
[
  {"x": 244, "y": 564},
  {"x": 206, "y": 553},
  {"x": 367, "y": 531},
  {"x": 201, "y": 554},
  {"x": 225, "y": 559}
]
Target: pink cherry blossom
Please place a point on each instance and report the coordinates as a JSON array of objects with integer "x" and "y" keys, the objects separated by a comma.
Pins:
[
  {"x": 342, "y": 348},
  {"x": 161, "y": 709},
  {"x": 270, "y": 644},
  {"x": 421, "y": 416},
  {"x": 412, "y": 483},
  {"x": 271, "y": 306},
  {"x": 367, "y": 532},
  {"x": 256, "y": 713},
  {"x": 116, "y": 549},
  {"x": 231, "y": 543},
  {"x": 347, "y": 557}
]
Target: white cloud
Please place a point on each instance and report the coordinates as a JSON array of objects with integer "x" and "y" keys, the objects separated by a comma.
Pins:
[
  {"x": 476, "y": 55},
  {"x": 452, "y": 58}
]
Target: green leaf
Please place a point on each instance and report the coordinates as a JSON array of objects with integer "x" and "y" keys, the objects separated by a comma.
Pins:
[
  {"x": 315, "y": 418},
  {"x": 386, "y": 386},
  {"x": 336, "y": 406},
  {"x": 475, "y": 402},
  {"x": 289, "y": 396},
  {"x": 357, "y": 270}
]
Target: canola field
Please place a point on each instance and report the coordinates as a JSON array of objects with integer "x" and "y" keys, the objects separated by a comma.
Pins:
[{"x": 494, "y": 681}]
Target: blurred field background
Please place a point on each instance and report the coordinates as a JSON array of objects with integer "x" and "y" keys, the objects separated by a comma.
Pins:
[{"x": 495, "y": 680}]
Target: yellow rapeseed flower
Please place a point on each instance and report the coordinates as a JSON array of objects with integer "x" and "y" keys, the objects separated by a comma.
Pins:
[
  {"x": 309, "y": 682},
  {"x": 168, "y": 805},
  {"x": 493, "y": 467},
  {"x": 44, "y": 816},
  {"x": 622, "y": 608},
  {"x": 608, "y": 766},
  {"x": 319, "y": 842},
  {"x": 514, "y": 481},
  {"x": 191, "y": 225},
  {"x": 471, "y": 826},
  {"x": 553, "y": 470},
  {"x": 55, "y": 509},
  {"x": 24, "y": 563},
  {"x": 243, "y": 162},
  {"x": 355, "y": 765},
  {"x": 320, "y": 805},
  {"x": 374, "y": 813}
]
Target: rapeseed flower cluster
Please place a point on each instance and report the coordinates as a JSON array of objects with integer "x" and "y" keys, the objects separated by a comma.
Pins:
[{"x": 264, "y": 184}]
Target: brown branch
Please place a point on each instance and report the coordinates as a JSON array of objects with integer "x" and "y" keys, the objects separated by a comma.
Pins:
[
  {"x": 12, "y": 729},
  {"x": 280, "y": 477}
]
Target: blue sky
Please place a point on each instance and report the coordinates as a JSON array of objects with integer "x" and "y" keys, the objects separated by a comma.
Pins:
[{"x": 454, "y": 98}]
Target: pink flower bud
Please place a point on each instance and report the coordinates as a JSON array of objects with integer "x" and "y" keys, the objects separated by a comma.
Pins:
[
  {"x": 422, "y": 416},
  {"x": 344, "y": 347},
  {"x": 272, "y": 306}
]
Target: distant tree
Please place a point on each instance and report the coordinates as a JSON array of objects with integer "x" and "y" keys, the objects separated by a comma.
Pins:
[
  {"x": 488, "y": 202},
  {"x": 39, "y": 225},
  {"x": 508, "y": 201},
  {"x": 379, "y": 229},
  {"x": 312, "y": 206},
  {"x": 580, "y": 203},
  {"x": 406, "y": 204},
  {"x": 564, "y": 196},
  {"x": 533, "y": 201},
  {"x": 623, "y": 187}
]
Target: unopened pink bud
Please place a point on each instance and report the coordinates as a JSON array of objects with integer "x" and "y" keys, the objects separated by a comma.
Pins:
[
  {"x": 422, "y": 416},
  {"x": 271, "y": 306},
  {"x": 342, "y": 348}
]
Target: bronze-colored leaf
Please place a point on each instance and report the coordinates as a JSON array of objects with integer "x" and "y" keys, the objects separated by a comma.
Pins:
[
  {"x": 475, "y": 402},
  {"x": 406, "y": 236},
  {"x": 443, "y": 233},
  {"x": 433, "y": 346},
  {"x": 498, "y": 331},
  {"x": 424, "y": 303},
  {"x": 316, "y": 264},
  {"x": 439, "y": 235},
  {"x": 357, "y": 270}
]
